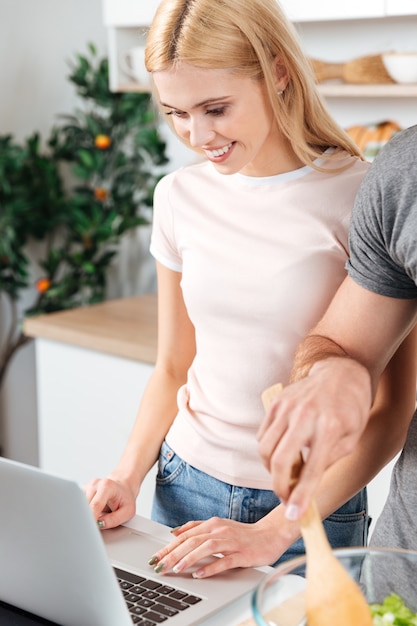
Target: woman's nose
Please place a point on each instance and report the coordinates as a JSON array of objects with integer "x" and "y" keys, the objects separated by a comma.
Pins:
[{"x": 200, "y": 134}]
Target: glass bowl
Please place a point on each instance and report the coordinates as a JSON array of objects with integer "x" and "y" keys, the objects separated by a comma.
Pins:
[{"x": 279, "y": 598}]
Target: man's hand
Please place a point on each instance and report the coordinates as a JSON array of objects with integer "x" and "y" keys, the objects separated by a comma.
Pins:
[{"x": 324, "y": 414}]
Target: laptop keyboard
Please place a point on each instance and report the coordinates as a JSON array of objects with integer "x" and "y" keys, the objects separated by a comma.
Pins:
[{"x": 150, "y": 602}]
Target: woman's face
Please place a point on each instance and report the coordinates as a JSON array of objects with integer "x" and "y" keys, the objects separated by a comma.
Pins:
[{"x": 227, "y": 117}]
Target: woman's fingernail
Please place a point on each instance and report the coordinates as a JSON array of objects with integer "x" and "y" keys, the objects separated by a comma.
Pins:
[
  {"x": 178, "y": 568},
  {"x": 101, "y": 523},
  {"x": 158, "y": 569},
  {"x": 292, "y": 512},
  {"x": 198, "y": 573},
  {"x": 153, "y": 560}
]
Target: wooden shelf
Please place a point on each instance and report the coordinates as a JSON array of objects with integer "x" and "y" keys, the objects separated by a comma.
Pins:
[
  {"x": 329, "y": 90},
  {"x": 344, "y": 90},
  {"x": 132, "y": 87}
]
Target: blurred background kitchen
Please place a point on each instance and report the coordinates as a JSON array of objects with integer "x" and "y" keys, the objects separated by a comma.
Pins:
[{"x": 38, "y": 39}]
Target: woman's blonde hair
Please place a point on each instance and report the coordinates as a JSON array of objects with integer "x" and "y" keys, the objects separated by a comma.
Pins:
[{"x": 246, "y": 37}]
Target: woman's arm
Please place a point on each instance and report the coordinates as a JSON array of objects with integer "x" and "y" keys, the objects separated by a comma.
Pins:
[
  {"x": 113, "y": 499},
  {"x": 248, "y": 545}
]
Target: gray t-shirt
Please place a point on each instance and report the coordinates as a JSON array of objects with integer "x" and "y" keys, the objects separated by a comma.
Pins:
[
  {"x": 383, "y": 235},
  {"x": 383, "y": 248}
]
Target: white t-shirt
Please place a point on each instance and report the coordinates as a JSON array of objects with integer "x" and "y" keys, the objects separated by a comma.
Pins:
[{"x": 260, "y": 259}]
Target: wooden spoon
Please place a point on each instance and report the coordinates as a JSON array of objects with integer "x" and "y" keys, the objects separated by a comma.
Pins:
[{"x": 332, "y": 596}]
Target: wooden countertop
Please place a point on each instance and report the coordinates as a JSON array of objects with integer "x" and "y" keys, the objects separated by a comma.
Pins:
[{"x": 126, "y": 327}]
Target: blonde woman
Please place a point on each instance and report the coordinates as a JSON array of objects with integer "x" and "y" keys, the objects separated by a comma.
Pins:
[{"x": 250, "y": 245}]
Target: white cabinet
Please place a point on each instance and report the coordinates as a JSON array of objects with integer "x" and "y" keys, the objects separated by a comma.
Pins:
[
  {"x": 86, "y": 410},
  {"x": 120, "y": 41},
  {"x": 127, "y": 24},
  {"x": 307, "y": 11},
  {"x": 401, "y": 7},
  {"x": 128, "y": 13},
  {"x": 88, "y": 402}
]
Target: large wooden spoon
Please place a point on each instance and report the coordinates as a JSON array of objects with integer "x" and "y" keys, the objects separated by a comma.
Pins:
[{"x": 332, "y": 596}]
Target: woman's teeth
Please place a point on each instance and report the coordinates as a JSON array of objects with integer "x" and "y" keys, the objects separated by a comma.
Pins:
[{"x": 220, "y": 151}]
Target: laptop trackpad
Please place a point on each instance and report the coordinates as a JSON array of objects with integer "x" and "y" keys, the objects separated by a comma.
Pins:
[
  {"x": 132, "y": 546},
  {"x": 127, "y": 546}
]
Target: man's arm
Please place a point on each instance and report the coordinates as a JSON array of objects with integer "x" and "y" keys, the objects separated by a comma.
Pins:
[
  {"x": 358, "y": 324},
  {"x": 335, "y": 375}
]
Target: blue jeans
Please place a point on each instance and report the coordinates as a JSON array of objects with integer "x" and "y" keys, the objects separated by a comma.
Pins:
[{"x": 184, "y": 493}]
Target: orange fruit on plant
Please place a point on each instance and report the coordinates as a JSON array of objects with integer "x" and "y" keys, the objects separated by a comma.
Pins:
[
  {"x": 102, "y": 142},
  {"x": 43, "y": 284},
  {"x": 100, "y": 193}
]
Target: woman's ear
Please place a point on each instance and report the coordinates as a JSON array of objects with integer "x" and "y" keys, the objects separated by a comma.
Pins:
[{"x": 281, "y": 75}]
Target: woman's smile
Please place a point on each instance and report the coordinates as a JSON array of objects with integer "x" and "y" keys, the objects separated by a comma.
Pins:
[{"x": 218, "y": 155}]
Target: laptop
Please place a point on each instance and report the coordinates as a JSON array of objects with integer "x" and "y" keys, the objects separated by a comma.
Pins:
[{"x": 56, "y": 564}]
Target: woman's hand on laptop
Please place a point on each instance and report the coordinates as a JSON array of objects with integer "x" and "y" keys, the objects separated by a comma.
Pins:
[
  {"x": 238, "y": 545},
  {"x": 111, "y": 501}
]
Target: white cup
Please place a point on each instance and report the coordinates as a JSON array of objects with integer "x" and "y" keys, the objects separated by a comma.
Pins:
[{"x": 132, "y": 64}]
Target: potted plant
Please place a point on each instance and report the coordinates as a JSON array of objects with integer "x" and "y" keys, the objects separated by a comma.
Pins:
[{"x": 76, "y": 198}]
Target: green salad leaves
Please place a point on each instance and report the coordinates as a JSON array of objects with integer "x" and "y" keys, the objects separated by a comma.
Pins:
[{"x": 393, "y": 612}]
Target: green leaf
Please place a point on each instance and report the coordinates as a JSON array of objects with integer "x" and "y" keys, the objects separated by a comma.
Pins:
[
  {"x": 86, "y": 158},
  {"x": 47, "y": 190}
]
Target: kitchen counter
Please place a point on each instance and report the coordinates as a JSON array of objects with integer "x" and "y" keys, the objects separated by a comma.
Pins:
[
  {"x": 126, "y": 328},
  {"x": 92, "y": 366}
]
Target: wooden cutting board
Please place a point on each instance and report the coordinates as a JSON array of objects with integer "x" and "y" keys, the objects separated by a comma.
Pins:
[{"x": 289, "y": 613}]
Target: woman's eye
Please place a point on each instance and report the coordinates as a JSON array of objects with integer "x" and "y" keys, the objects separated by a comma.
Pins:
[
  {"x": 175, "y": 113},
  {"x": 218, "y": 111}
]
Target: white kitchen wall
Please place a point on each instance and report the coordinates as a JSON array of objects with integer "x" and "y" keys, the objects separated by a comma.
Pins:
[{"x": 37, "y": 39}]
